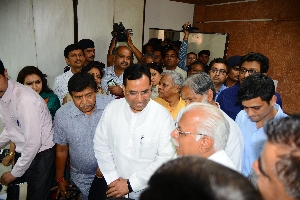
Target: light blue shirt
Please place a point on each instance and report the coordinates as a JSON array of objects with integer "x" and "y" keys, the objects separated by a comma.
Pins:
[
  {"x": 73, "y": 127},
  {"x": 254, "y": 139},
  {"x": 223, "y": 87}
]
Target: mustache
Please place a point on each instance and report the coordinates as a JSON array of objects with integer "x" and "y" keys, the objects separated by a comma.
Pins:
[
  {"x": 175, "y": 142},
  {"x": 86, "y": 105},
  {"x": 126, "y": 63}
]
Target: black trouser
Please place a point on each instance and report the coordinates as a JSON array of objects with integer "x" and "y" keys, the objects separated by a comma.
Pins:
[
  {"x": 40, "y": 175},
  {"x": 98, "y": 189}
]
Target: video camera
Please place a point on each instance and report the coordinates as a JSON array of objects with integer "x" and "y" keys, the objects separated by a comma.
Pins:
[
  {"x": 121, "y": 32},
  {"x": 190, "y": 28}
]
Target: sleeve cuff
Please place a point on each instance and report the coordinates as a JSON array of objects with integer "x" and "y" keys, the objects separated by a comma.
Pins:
[{"x": 110, "y": 177}]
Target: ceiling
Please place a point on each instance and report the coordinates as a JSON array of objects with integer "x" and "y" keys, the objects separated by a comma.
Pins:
[{"x": 211, "y": 2}]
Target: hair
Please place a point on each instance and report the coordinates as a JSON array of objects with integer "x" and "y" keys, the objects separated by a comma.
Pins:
[
  {"x": 2, "y": 69},
  {"x": 192, "y": 177},
  {"x": 70, "y": 48},
  {"x": 162, "y": 53},
  {"x": 151, "y": 55},
  {"x": 156, "y": 67},
  {"x": 146, "y": 45},
  {"x": 86, "y": 43},
  {"x": 219, "y": 60},
  {"x": 192, "y": 53},
  {"x": 195, "y": 63},
  {"x": 80, "y": 81},
  {"x": 200, "y": 84},
  {"x": 286, "y": 131},
  {"x": 29, "y": 70},
  {"x": 212, "y": 124},
  {"x": 136, "y": 71},
  {"x": 256, "y": 85},
  {"x": 176, "y": 77},
  {"x": 94, "y": 64},
  {"x": 261, "y": 59},
  {"x": 170, "y": 49}
]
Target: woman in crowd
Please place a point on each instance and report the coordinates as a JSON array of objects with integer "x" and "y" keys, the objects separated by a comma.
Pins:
[{"x": 155, "y": 70}]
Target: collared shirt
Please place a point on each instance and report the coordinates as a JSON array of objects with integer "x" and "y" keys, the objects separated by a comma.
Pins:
[
  {"x": 73, "y": 127},
  {"x": 222, "y": 158},
  {"x": 133, "y": 145},
  {"x": 223, "y": 87},
  {"x": 60, "y": 86},
  {"x": 183, "y": 55},
  {"x": 180, "y": 71},
  {"x": 254, "y": 139},
  {"x": 28, "y": 124},
  {"x": 173, "y": 111},
  {"x": 109, "y": 74}
]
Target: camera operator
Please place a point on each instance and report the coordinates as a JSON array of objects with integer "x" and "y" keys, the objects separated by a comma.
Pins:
[{"x": 185, "y": 58}]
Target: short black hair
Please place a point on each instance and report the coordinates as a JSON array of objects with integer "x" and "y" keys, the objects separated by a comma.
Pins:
[
  {"x": 192, "y": 53},
  {"x": 86, "y": 43},
  {"x": 170, "y": 49},
  {"x": 156, "y": 67},
  {"x": 145, "y": 46},
  {"x": 192, "y": 177},
  {"x": 2, "y": 69},
  {"x": 94, "y": 64},
  {"x": 258, "y": 57},
  {"x": 136, "y": 71},
  {"x": 70, "y": 48},
  {"x": 219, "y": 60},
  {"x": 80, "y": 81},
  {"x": 256, "y": 85}
]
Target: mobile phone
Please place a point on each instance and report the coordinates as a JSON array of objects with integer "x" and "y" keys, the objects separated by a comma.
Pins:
[{"x": 111, "y": 82}]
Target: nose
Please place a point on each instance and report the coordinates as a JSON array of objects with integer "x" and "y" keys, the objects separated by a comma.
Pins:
[
  {"x": 247, "y": 74},
  {"x": 139, "y": 97},
  {"x": 174, "y": 134}
]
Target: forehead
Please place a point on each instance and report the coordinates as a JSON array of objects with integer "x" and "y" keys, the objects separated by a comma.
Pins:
[
  {"x": 188, "y": 92},
  {"x": 171, "y": 52},
  {"x": 166, "y": 78},
  {"x": 191, "y": 55},
  {"x": 140, "y": 84},
  {"x": 124, "y": 51},
  {"x": 204, "y": 56},
  {"x": 196, "y": 66},
  {"x": 254, "y": 102},
  {"x": 157, "y": 53},
  {"x": 251, "y": 65},
  {"x": 77, "y": 51},
  {"x": 94, "y": 70},
  {"x": 219, "y": 66},
  {"x": 83, "y": 92},
  {"x": 89, "y": 49},
  {"x": 32, "y": 76}
]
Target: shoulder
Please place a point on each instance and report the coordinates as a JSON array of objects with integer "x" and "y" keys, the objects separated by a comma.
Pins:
[{"x": 102, "y": 100}]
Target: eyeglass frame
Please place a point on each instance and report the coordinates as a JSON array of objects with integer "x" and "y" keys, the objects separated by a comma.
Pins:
[
  {"x": 180, "y": 132},
  {"x": 215, "y": 70},
  {"x": 244, "y": 71}
]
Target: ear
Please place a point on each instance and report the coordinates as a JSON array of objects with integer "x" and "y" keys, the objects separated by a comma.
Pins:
[
  {"x": 178, "y": 60},
  {"x": 67, "y": 61},
  {"x": 5, "y": 73},
  {"x": 273, "y": 100},
  {"x": 206, "y": 144},
  {"x": 177, "y": 89},
  {"x": 209, "y": 95},
  {"x": 123, "y": 88},
  {"x": 114, "y": 58}
]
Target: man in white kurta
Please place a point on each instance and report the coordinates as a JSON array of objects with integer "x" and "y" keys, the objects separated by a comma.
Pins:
[{"x": 132, "y": 139}]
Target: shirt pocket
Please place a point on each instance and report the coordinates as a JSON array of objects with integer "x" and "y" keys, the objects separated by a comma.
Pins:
[{"x": 148, "y": 149}]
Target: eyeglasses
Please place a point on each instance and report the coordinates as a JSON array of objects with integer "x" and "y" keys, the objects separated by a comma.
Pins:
[
  {"x": 135, "y": 94},
  {"x": 244, "y": 71},
  {"x": 221, "y": 71},
  {"x": 180, "y": 132}
]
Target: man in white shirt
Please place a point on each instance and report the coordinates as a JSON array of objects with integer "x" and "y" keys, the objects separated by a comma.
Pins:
[
  {"x": 75, "y": 59},
  {"x": 132, "y": 138},
  {"x": 200, "y": 88},
  {"x": 203, "y": 131}
]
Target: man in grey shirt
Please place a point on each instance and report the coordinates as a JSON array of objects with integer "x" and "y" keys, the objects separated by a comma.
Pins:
[{"x": 74, "y": 128}]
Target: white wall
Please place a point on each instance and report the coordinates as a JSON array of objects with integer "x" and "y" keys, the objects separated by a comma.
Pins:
[{"x": 166, "y": 14}]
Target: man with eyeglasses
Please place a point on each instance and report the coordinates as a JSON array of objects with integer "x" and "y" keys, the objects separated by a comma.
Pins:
[
  {"x": 234, "y": 71},
  {"x": 278, "y": 165},
  {"x": 203, "y": 131},
  {"x": 132, "y": 138},
  {"x": 257, "y": 95},
  {"x": 250, "y": 64},
  {"x": 218, "y": 73}
]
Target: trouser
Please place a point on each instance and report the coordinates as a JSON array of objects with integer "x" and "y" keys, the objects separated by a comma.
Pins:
[
  {"x": 40, "y": 175},
  {"x": 98, "y": 189}
]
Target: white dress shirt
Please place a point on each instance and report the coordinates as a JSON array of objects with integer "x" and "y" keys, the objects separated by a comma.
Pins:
[
  {"x": 133, "y": 145},
  {"x": 60, "y": 86},
  {"x": 222, "y": 158}
]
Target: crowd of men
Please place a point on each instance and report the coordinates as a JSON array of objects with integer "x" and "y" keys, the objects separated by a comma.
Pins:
[{"x": 212, "y": 127}]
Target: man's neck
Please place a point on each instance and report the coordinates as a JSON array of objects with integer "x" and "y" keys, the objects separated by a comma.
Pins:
[
  {"x": 217, "y": 86},
  {"x": 230, "y": 83},
  {"x": 271, "y": 115},
  {"x": 173, "y": 101},
  {"x": 74, "y": 70},
  {"x": 171, "y": 67},
  {"x": 118, "y": 71}
]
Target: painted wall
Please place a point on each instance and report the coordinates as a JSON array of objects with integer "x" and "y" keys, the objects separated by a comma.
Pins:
[
  {"x": 166, "y": 14},
  {"x": 252, "y": 26}
]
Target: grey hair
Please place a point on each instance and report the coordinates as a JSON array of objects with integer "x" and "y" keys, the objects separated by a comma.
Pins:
[
  {"x": 200, "y": 83},
  {"x": 149, "y": 54},
  {"x": 211, "y": 123},
  {"x": 176, "y": 77}
]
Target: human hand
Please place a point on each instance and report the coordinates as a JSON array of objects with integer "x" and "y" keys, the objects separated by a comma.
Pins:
[
  {"x": 7, "y": 178},
  {"x": 62, "y": 188},
  {"x": 117, "y": 188},
  {"x": 8, "y": 159},
  {"x": 99, "y": 173},
  {"x": 129, "y": 41},
  {"x": 115, "y": 90},
  {"x": 186, "y": 33}
]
